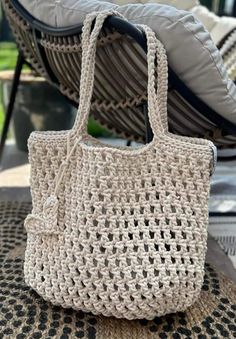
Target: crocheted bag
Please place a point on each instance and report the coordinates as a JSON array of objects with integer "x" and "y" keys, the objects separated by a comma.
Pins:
[{"x": 118, "y": 231}]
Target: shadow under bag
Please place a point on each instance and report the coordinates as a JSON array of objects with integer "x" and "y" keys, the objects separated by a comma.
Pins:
[{"x": 118, "y": 231}]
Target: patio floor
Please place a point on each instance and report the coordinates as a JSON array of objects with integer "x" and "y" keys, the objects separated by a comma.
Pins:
[
  {"x": 14, "y": 186},
  {"x": 14, "y": 175}
]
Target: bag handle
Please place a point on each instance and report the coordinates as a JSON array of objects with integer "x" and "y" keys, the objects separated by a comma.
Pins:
[{"x": 157, "y": 98}]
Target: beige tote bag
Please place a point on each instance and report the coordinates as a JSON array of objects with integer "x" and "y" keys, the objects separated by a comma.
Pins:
[{"x": 118, "y": 231}]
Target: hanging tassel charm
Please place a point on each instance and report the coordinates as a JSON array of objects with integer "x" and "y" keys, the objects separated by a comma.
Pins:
[{"x": 48, "y": 223}]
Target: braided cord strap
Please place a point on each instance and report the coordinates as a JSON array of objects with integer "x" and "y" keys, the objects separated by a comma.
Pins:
[
  {"x": 157, "y": 108},
  {"x": 89, "y": 39},
  {"x": 157, "y": 97}
]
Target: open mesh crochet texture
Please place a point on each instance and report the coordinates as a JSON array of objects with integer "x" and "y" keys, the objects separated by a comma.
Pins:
[{"x": 114, "y": 231}]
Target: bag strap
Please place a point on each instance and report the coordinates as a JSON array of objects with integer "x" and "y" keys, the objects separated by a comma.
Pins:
[{"x": 157, "y": 98}]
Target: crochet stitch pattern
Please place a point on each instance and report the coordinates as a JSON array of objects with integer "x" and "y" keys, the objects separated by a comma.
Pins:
[{"x": 118, "y": 231}]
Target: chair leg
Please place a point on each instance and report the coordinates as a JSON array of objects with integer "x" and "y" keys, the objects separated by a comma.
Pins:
[{"x": 15, "y": 83}]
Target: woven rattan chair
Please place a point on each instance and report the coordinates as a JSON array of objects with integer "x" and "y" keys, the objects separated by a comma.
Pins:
[{"x": 119, "y": 100}]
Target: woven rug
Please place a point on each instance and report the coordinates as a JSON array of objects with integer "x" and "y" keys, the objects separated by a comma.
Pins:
[{"x": 23, "y": 314}]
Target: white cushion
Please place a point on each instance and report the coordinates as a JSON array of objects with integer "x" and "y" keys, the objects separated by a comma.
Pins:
[
  {"x": 190, "y": 49},
  {"x": 180, "y": 4}
]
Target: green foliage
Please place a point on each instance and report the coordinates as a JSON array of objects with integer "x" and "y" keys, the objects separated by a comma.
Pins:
[
  {"x": 8, "y": 55},
  {"x": 96, "y": 130}
]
